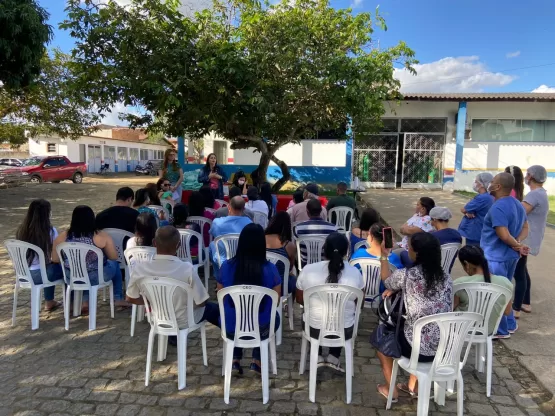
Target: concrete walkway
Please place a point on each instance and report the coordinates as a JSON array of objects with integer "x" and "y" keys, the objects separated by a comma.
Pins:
[{"x": 534, "y": 342}]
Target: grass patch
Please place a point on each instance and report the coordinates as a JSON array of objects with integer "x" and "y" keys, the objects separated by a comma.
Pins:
[{"x": 466, "y": 194}]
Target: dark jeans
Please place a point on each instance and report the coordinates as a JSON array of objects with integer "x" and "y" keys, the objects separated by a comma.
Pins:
[
  {"x": 523, "y": 284},
  {"x": 335, "y": 351},
  {"x": 264, "y": 334},
  {"x": 53, "y": 273},
  {"x": 211, "y": 314}
]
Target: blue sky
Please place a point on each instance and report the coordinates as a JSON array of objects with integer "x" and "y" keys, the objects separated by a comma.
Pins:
[{"x": 462, "y": 46}]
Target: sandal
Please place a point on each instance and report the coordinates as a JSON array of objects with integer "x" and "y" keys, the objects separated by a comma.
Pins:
[
  {"x": 526, "y": 308},
  {"x": 404, "y": 387},
  {"x": 53, "y": 307},
  {"x": 380, "y": 387}
]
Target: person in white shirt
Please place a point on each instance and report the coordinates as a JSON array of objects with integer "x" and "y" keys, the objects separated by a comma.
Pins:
[
  {"x": 145, "y": 229},
  {"x": 167, "y": 264},
  {"x": 256, "y": 204},
  {"x": 335, "y": 270}
]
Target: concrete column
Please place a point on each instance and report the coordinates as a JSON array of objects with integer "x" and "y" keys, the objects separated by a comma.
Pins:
[
  {"x": 181, "y": 150},
  {"x": 461, "y": 126}
]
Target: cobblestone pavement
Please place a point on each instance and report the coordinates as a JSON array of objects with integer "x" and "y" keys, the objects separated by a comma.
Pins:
[{"x": 52, "y": 371}]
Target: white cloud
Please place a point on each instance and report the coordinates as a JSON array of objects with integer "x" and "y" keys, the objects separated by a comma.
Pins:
[
  {"x": 460, "y": 74},
  {"x": 188, "y": 7},
  {"x": 356, "y": 3},
  {"x": 545, "y": 89},
  {"x": 113, "y": 117},
  {"x": 514, "y": 54}
]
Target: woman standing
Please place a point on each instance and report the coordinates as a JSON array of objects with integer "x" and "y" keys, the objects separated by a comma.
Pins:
[
  {"x": 36, "y": 229},
  {"x": 518, "y": 190},
  {"x": 172, "y": 171},
  {"x": 214, "y": 176},
  {"x": 475, "y": 211}
]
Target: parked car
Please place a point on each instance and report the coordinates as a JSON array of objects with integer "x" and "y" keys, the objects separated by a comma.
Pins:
[
  {"x": 50, "y": 169},
  {"x": 11, "y": 162}
]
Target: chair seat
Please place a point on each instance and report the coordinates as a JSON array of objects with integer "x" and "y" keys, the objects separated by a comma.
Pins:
[{"x": 423, "y": 369}]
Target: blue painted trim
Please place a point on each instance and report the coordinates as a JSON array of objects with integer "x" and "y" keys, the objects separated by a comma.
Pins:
[
  {"x": 116, "y": 168},
  {"x": 461, "y": 125},
  {"x": 181, "y": 150}
]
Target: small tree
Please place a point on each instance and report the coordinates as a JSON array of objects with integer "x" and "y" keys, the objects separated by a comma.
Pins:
[{"x": 259, "y": 75}]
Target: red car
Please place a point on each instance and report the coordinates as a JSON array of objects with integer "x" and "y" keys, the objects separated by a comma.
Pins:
[{"x": 53, "y": 169}]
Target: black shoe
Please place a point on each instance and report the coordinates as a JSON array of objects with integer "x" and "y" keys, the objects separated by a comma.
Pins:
[
  {"x": 236, "y": 369},
  {"x": 172, "y": 340}
]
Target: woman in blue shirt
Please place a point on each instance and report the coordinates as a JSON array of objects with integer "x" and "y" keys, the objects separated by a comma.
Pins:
[
  {"x": 375, "y": 238},
  {"x": 368, "y": 218},
  {"x": 249, "y": 267},
  {"x": 214, "y": 176},
  {"x": 475, "y": 211}
]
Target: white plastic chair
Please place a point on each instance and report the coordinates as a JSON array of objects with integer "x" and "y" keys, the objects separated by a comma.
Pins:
[
  {"x": 158, "y": 294},
  {"x": 332, "y": 332},
  {"x": 361, "y": 244},
  {"x": 119, "y": 236},
  {"x": 448, "y": 253},
  {"x": 447, "y": 365},
  {"x": 314, "y": 245},
  {"x": 260, "y": 218},
  {"x": 184, "y": 252},
  {"x": 76, "y": 254},
  {"x": 159, "y": 208},
  {"x": 344, "y": 217},
  {"x": 482, "y": 298},
  {"x": 201, "y": 221},
  {"x": 134, "y": 255},
  {"x": 293, "y": 225},
  {"x": 286, "y": 297},
  {"x": 17, "y": 250},
  {"x": 229, "y": 243},
  {"x": 222, "y": 202},
  {"x": 211, "y": 210},
  {"x": 371, "y": 274},
  {"x": 247, "y": 331}
]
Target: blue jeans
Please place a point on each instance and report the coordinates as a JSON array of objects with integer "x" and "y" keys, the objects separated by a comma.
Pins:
[
  {"x": 111, "y": 272},
  {"x": 504, "y": 268},
  {"x": 291, "y": 285},
  {"x": 53, "y": 273}
]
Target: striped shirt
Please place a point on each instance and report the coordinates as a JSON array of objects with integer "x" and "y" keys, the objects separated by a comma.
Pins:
[{"x": 314, "y": 226}]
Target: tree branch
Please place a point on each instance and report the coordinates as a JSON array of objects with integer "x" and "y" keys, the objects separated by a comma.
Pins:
[{"x": 285, "y": 174}]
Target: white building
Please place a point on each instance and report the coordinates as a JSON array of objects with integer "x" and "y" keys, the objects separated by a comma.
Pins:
[{"x": 122, "y": 148}]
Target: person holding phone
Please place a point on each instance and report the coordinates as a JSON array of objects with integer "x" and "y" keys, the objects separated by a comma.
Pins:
[
  {"x": 377, "y": 235},
  {"x": 214, "y": 176}
]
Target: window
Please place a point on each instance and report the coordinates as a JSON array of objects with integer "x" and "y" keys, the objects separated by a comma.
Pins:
[
  {"x": 220, "y": 150},
  {"x": 51, "y": 147},
  {"x": 423, "y": 125},
  {"x": 144, "y": 154},
  {"x": 512, "y": 130},
  {"x": 54, "y": 161}
]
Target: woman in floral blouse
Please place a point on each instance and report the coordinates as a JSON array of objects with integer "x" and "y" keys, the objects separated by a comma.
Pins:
[{"x": 427, "y": 291}]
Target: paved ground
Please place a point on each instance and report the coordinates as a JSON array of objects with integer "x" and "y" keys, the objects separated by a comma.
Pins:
[{"x": 53, "y": 371}]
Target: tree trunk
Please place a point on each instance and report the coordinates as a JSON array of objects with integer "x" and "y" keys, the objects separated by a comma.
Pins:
[
  {"x": 259, "y": 174},
  {"x": 285, "y": 174}
]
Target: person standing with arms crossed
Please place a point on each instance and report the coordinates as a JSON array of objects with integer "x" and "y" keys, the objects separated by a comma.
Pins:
[{"x": 505, "y": 226}]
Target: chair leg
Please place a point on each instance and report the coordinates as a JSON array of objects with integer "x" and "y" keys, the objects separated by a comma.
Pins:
[
  {"x": 273, "y": 356},
  {"x": 290, "y": 311},
  {"x": 112, "y": 305},
  {"x": 104, "y": 294},
  {"x": 460, "y": 395},
  {"x": 481, "y": 357},
  {"x": 140, "y": 313},
  {"x": 133, "y": 319},
  {"x": 35, "y": 307},
  {"x": 77, "y": 300},
  {"x": 162, "y": 347},
  {"x": 265, "y": 376},
  {"x": 228, "y": 360},
  {"x": 489, "y": 366},
  {"x": 313, "y": 369},
  {"x": 203, "y": 342},
  {"x": 14, "y": 311},
  {"x": 93, "y": 303},
  {"x": 182, "y": 359},
  {"x": 439, "y": 393},
  {"x": 280, "y": 329},
  {"x": 67, "y": 307},
  {"x": 349, "y": 369},
  {"x": 424, "y": 386},
  {"x": 392, "y": 383},
  {"x": 149, "y": 356},
  {"x": 223, "y": 358},
  {"x": 304, "y": 346}
]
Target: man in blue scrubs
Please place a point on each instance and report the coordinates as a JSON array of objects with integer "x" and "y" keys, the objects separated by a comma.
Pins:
[{"x": 505, "y": 226}]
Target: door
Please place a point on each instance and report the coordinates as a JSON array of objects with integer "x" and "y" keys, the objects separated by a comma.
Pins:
[
  {"x": 82, "y": 153},
  {"x": 51, "y": 170},
  {"x": 122, "y": 159},
  {"x": 423, "y": 160},
  {"x": 110, "y": 157},
  {"x": 94, "y": 158},
  {"x": 133, "y": 158},
  {"x": 375, "y": 159}
]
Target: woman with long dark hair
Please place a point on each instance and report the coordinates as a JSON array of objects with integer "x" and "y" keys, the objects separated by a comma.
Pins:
[
  {"x": 142, "y": 202},
  {"x": 172, "y": 171},
  {"x": 427, "y": 291},
  {"x": 152, "y": 189},
  {"x": 240, "y": 181},
  {"x": 213, "y": 175},
  {"x": 249, "y": 267},
  {"x": 197, "y": 209},
  {"x": 334, "y": 270},
  {"x": 145, "y": 229},
  {"x": 209, "y": 200},
  {"x": 82, "y": 229},
  {"x": 476, "y": 266},
  {"x": 270, "y": 199},
  {"x": 180, "y": 221},
  {"x": 278, "y": 240},
  {"x": 36, "y": 229},
  {"x": 518, "y": 189},
  {"x": 368, "y": 218}
]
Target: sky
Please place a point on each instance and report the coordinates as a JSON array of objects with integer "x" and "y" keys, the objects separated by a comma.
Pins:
[{"x": 462, "y": 46}]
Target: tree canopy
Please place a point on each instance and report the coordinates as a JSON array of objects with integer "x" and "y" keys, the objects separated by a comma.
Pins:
[
  {"x": 24, "y": 35},
  {"x": 258, "y": 74}
]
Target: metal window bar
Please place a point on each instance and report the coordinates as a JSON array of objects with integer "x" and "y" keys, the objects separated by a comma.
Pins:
[
  {"x": 423, "y": 160},
  {"x": 375, "y": 158}
]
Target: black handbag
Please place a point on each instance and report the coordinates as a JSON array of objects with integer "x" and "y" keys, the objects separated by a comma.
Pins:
[{"x": 385, "y": 338}]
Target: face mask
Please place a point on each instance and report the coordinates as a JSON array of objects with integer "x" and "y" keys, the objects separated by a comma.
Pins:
[
  {"x": 241, "y": 181},
  {"x": 491, "y": 190},
  {"x": 527, "y": 181},
  {"x": 476, "y": 187}
]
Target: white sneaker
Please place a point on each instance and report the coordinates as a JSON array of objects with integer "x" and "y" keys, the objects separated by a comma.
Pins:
[
  {"x": 334, "y": 363},
  {"x": 321, "y": 361}
]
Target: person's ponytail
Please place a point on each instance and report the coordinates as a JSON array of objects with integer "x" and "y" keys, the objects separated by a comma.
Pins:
[
  {"x": 335, "y": 267},
  {"x": 485, "y": 268},
  {"x": 475, "y": 255},
  {"x": 335, "y": 250}
]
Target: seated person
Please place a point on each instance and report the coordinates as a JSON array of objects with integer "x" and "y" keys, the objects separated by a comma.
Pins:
[
  {"x": 278, "y": 240},
  {"x": 208, "y": 195},
  {"x": 255, "y": 203},
  {"x": 240, "y": 182},
  {"x": 297, "y": 197},
  {"x": 121, "y": 215},
  {"x": 145, "y": 229},
  {"x": 165, "y": 195},
  {"x": 361, "y": 232},
  {"x": 298, "y": 211},
  {"x": 342, "y": 200},
  {"x": 270, "y": 199},
  {"x": 142, "y": 202},
  {"x": 375, "y": 239},
  {"x": 334, "y": 270},
  {"x": 419, "y": 222},
  {"x": 166, "y": 264},
  {"x": 475, "y": 265},
  {"x": 249, "y": 267},
  {"x": 180, "y": 215},
  {"x": 224, "y": 211},
  {"x": 197, "y": 209}
]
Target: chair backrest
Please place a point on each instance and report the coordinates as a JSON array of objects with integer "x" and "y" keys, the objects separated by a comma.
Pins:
[
  {"x": 201, "y": 221},
  {"x": 260, "y": 218},
  {"x": 247, "y": 299},
  {"x": 275, "y": 258},
  {"x": 482, "y": 298},
  {"x": 343, "y": 217},
  {"x": 454, "y": 329},
  {"x": 158, "y": 293},
  {"x": 222, "y": 202},
  {"x": 184, "y": 252},
  {"x": 211, "y": 210},
  {"x": 17, "y": 250},
  {"x": 314, "y": 245},
  {"x": 227, "y": 242},
  {"x": 137, "y": 254},
  {"x": 371, "y": 274},
  {"x": 76, "y": 255},
  {"x": 333, "y": 298},
  {"x": 448, "y": 254},
  {"x": 293, "y": 225},
  {"x": 158, "y": 209},
  {"x": 119, "y": 237},
  {"x": 360, "y": 244}
]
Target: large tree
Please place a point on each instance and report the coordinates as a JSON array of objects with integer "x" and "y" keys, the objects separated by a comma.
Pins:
[
  {"x": 24, "y": 34},
  {"x": 258, "y": 74},
  {"x": 51, "y": 104}
]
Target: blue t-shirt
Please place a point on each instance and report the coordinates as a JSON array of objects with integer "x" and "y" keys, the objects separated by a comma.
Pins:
[
  {"x": 393, "y": 258},
  {"x": 355, "y": 239},
  {"x": 505, "y": 212},
  {"x": 226, "y": 225},
  {"x": 447, "y": 235},
  {"x": 471, "y": 228},
  {"x": 270, "y": 279}
]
